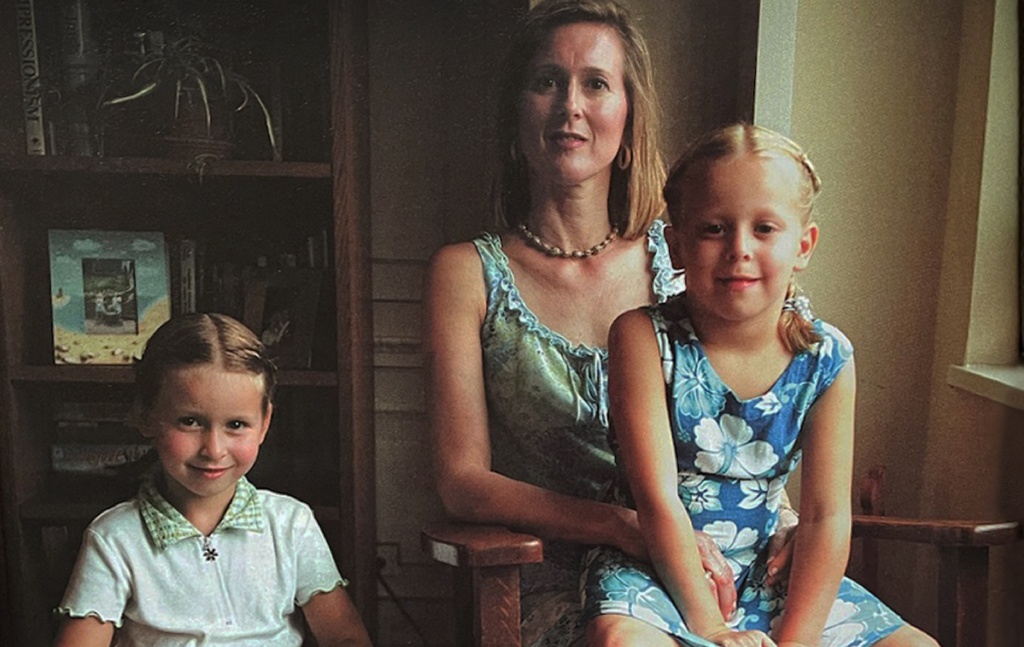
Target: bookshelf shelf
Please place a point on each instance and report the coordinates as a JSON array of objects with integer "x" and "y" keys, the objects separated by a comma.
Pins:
[
  {"x": 154, "y": 166},
  {"x": 123, "y": 375},
  {"x": 241, "y": 215}
]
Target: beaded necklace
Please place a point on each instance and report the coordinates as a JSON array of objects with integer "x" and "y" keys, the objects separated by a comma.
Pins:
[{"x": 553, "y": 250}]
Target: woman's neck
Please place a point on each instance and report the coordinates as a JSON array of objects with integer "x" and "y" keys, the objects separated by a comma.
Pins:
[{"x": 569, "y": 217}]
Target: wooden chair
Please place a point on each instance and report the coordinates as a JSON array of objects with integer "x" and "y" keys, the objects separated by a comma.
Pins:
[{"x": 487, "y": 560}]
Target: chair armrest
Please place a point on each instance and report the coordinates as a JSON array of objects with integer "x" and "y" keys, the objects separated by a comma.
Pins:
[
  {"x": 478, "y": 545},
  {"x": 938, "y": 532}
]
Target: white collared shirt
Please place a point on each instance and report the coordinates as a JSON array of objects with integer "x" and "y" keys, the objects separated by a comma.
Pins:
[{"x": 241, "y": 586}]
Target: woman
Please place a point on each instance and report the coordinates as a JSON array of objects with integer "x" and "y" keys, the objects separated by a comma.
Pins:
[{"x": 517, "y": 324}]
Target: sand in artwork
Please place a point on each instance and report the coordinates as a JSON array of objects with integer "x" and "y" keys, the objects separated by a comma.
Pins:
[{"x": 70, "y": 347}]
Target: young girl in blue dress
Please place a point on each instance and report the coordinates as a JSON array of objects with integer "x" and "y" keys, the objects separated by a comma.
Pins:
[
  {"x": 715, "y": 397},
  {"x": 200, "y": 556}
]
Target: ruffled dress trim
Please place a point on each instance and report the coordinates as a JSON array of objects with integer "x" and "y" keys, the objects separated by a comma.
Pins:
[{"x": 667, "y": 282}]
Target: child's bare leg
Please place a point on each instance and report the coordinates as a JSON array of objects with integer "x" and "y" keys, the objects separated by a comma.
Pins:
[
  {"x": 624, "y": 631},
  {"x": 907, "y": 636}
]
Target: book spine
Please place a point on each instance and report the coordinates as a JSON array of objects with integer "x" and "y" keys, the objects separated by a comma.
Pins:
[
  {"x": 187, "y": 280},
  {"x": 31, "y": 86}
]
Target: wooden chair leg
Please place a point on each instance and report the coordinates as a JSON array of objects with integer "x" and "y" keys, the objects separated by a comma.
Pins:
[
  {"x": 963, "y": 596},
  {"x": 496, "y": 606},
  {"x": 486, "y": 561}
]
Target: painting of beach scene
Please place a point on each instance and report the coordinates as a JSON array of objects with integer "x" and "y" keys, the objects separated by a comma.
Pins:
[{"x": 109, "y": 291}]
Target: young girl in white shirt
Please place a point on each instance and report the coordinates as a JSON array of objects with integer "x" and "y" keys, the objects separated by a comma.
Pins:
[{"x": 200, "y": 556}]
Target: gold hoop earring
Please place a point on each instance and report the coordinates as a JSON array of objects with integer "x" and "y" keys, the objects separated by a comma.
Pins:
[{"x": 624, "y": 158}]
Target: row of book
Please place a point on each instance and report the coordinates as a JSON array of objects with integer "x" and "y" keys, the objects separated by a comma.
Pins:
[{"x": 94, "y": 438}]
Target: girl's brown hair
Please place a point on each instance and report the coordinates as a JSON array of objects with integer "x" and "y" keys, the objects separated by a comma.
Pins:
[
  {"x": 634, "y": 200},
  {"x": 197, "y": 339},
  {"x": 797, "y": 332}
]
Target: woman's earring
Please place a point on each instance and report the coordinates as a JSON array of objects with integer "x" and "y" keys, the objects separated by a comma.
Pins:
[
  {"x": 513, "y": 152},
  {"x": 624, "y": 157}
]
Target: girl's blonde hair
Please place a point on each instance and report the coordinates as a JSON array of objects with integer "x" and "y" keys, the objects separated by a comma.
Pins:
[
  {"x": 197, "y": 339},
  {"x": 797, "y": 332},
  {"x": 634, "y": 200}
]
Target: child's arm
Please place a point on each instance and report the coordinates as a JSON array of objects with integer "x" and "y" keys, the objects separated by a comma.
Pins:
[
  {"x": 84, "y": 632},
  {"x": 823, "y": 543},
  {"x": 640, "y": 415},
  {"x": 334, "y": 620}
]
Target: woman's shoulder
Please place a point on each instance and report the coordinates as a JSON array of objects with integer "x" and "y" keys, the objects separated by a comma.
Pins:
[{"x": 457, "y": 264}]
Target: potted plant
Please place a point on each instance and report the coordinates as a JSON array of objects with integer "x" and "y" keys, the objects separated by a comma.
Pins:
[{"x": 204, "y": 90}]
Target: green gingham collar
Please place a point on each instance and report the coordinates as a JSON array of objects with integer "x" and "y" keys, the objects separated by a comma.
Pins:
[{"x": 166, "y": 525}]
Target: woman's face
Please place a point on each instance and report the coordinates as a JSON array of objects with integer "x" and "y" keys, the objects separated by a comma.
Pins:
[{"x": 574, "y": 107}]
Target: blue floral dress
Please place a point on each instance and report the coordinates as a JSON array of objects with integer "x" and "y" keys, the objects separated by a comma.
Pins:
[{"x": 734, "y": 458}]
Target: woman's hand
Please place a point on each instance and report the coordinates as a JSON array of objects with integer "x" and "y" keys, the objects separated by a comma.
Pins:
[
  {"x": 780, "y": 547},
  {"x": 718, "y": 574},
  {"x": 730, "y": 638},
  {"x": 716, "y": 570}
]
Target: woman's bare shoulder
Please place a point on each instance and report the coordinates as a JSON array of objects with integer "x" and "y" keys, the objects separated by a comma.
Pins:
[{"x": 458, "y": 262}]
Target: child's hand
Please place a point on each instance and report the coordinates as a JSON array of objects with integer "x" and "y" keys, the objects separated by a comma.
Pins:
[{"x": 730, "y": 638}]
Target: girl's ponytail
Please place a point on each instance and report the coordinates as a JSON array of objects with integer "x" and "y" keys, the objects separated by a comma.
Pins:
[{"x": 796, "y": 323}]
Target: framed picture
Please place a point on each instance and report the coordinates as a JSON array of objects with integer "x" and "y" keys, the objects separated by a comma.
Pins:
[
  {"x": 109, "y": 292},
  {"x": 281, "y": 308}
]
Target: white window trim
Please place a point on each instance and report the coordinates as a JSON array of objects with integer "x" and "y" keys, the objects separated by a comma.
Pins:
[{"x": 992, "y": 367}]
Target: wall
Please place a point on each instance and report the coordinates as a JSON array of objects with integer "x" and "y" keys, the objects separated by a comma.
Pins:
[{"x": 893, "y": 102}]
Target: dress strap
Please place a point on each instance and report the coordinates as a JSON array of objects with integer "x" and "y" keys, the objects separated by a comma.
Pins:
[
  {"x": 664, "y": 343},
  {"x": 668, "y": 281}
]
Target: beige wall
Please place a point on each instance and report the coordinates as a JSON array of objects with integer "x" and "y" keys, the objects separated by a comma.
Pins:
[{"x": 892, "y": 100}]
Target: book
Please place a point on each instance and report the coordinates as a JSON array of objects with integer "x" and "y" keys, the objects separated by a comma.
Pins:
[
  {"x": 31, "y": 83},
  {"x": 186, "y": 275},
  {"x": 90, "y": 458},
  {"x": 109, "y": 292}
]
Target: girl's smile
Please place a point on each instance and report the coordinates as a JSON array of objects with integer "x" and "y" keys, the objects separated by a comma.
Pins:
[
  {"x": 207, "y": 424},
  {"x": 743, "y": 236}
]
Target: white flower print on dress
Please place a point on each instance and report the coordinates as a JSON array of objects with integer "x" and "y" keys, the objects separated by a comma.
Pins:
[
  {"x": 758, "y": 491},
  {"x": 840, "y": 630},
  {"x": 768, "y": 404},
  {"x": 699, "y": 493},
  {"x": 737, "y": 544},
  {"x": 697, "y": 393},
  {"x": 727, "y": 448}
]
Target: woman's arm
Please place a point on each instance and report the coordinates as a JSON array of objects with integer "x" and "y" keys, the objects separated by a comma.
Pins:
[
  {"x": 84, "y": 632},
  {"x": 639, "y": 409},
  {"x": 334, "y": 620},
  {"x": 469, "y": 489},
  {"x": 823, "y": 543}
]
